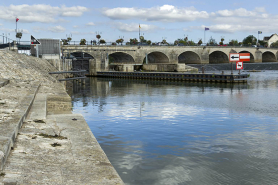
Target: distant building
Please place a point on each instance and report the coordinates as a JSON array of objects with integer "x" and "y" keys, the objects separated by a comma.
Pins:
[
  {"x": 49, "y": 49},
  {"x": 273, "y": 38}
]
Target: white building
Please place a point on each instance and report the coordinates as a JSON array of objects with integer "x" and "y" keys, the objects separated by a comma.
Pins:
[{"x": 273, "y": 38}]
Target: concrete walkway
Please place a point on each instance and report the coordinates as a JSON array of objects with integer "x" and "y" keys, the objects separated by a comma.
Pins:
[{"x": 41, "y": 141}]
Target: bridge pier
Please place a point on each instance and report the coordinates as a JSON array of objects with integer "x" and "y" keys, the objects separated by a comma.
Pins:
[
  {"x": 258, "y": 58},
  {"x": 204, "y": 57},
  {"x": 98, "y": 64}
]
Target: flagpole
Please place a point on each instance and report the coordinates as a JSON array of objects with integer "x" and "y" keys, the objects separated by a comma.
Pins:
[
  {"x": 258, "y": 38},
  {"x": 139, "y": 33},
  {"x": 205, "y": 35}
]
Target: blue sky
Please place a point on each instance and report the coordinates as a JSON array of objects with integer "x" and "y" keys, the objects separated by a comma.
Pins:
[{"x": 170, "y": 19}]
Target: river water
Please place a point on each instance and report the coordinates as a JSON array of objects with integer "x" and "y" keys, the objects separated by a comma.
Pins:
[{"x": 175, "y": 133}]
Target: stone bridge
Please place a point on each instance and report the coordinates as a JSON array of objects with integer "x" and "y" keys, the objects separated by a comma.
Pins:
[{"x": 168, "y": 54}]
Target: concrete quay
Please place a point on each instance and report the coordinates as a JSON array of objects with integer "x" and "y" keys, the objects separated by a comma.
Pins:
[{"x": 41, "y": 141}]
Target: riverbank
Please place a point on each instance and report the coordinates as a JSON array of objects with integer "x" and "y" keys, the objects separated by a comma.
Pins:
[
  {"x": 246, "y": 66},
  {"x": 41, "y": 141}
]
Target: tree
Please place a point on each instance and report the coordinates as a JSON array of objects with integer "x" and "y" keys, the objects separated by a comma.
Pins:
[
  {"x": 191, "y": 43},
  {"x": 69, "y": 39},
  {"x": 222, "y": 41},
  {"x": 149, "y": 42},
  {"x": 19, "y": 35},
  {"x": 142, "y": 39},
  {"x": 249, "y": 40},
  {"x": 233, "y": 43},
  {"x": 274, "y": 45},
  {"x": 133, "y": 41},
  {"x": 65, "y": 41},
  {"x": 98, "y": 36},
  {"x": 200, "y": 42},
  {"x": 102, "y": 41},
  {"x": 181, "y": 41},
  {"x": 83, "y": 42},
  {"x": 164, "y": 41},
  {"x": 263, "y": 43},
  {"x": 212, "y": 42},
  {"x": 120, "y": 41}
]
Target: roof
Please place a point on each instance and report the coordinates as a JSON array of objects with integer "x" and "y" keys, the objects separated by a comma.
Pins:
[{"x": 267, "y": 38}]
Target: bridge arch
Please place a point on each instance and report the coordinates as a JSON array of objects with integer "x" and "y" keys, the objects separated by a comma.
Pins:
[
  {"x": 218, "y": 57},
  {"x": 189, "y": 57},
  {"x": 157, "y": 57},
  {"x": 252, "y": 60},
  {"x": 79, "y": 55},
  {"x": 120, "y": 57},
  {"x": 80, "y": 61},
  {"x": 268, "y": 57}
]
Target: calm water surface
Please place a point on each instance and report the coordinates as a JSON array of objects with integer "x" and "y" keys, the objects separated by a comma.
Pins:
[{"x": 175, "y": 133}]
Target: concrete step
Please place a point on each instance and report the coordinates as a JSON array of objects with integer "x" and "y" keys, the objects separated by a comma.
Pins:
[
  {"x": 39, "y": 104},
  {"x": 16, "y": 114}
]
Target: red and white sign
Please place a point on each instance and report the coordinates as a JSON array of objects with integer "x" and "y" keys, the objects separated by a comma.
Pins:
[
  {"x": 234, "y": 57},
  {"x": 239, "y": 57},
  {"x": 244, "y": 57},
  {"x": 239, "y": 65}
]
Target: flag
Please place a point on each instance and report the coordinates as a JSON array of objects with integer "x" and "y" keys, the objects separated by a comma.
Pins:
[
  {"x": 17, "y": 19},
  {"x": 139, "y": 26},
  {"x": 260, "y": 32},
  {"x": 206, "y": 29}
]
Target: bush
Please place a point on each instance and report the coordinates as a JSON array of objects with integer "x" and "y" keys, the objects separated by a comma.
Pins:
[{"x": 83, "y": 42}]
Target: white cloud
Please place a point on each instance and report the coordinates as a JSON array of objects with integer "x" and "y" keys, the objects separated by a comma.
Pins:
[
  {"x": 75, "y": 26},
  {"x": 134, "y": 27},
  {"x": 25, "y": 31},
  {"x": 8, "y": 30},
  {"x": 241, "y": 12},
  {"x": 222, "y": 21},
  {"x": 76, "y": 33},
  {"x": 260, "y": 9},
  {"x": 75, "y": 11},
  {"x": 57, "y": 29},
  {"x": 39, "y": 13},
  {"x": 38, "y": 29},
  {"x": 242, "y": 20},
  {"x": 165, "y": 13},
  {"x": 90, "y": 24}
]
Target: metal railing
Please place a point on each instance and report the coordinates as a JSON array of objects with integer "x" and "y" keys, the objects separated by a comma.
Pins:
[{"x": 25, "y": 45}]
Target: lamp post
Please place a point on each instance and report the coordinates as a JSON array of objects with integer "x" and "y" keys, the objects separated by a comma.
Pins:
[
  {"x": 122, "y": 39},
  {"x": 164, "y": 38},
  {"x": 98, "y": 36},
  {"x": 7, "y": 37},
  {"x": 69, "y": 36}
]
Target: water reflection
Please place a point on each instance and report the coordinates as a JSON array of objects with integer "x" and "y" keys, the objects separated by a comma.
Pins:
[{"x": 161, "y": 132}]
